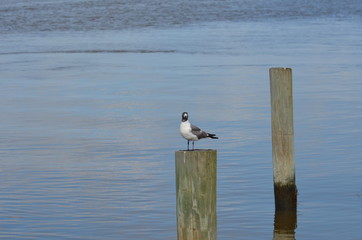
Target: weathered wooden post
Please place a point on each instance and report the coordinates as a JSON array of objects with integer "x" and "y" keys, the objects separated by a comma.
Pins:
[
  {"x": 196, "y": 194},
  {"x": 285, "y": 190}
]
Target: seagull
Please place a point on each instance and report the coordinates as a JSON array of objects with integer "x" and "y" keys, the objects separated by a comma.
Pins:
[{"x": 191, "y": 132}]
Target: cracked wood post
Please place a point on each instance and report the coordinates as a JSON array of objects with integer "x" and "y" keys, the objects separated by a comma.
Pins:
[
  {"x": 196, "y": 194},
  {"x": 285, "y": 190}
]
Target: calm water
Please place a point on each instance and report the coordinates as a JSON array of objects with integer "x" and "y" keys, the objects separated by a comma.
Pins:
[{"x": 91, "y": 96}]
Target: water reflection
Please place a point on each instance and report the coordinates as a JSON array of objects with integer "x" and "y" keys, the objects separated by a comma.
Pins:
[{"x": 285, "y": 223}]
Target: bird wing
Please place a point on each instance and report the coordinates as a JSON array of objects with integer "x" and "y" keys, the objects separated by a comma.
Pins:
[
  {"x": 198, "y": 132},
  {"x": 194, "y": 128}
]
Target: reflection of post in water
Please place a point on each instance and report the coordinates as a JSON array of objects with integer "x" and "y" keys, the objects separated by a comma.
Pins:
[
  {"x": 285, "y": 190},
  {"x": 285, "y": 223}
]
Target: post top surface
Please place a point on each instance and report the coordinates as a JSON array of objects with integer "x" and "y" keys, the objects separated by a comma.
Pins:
[
  {"x": 280, "y": 68},
  {"x": 197, "y": 150}
]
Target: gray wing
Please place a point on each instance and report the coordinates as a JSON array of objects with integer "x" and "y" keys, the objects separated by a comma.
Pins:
[{"x": 198, "y": 132}]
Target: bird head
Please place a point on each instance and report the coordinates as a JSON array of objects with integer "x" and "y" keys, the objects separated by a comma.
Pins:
[{"x": 185, "y": 116}]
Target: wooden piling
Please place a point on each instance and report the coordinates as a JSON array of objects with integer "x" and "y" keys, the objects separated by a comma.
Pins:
[
  {"x": 196, "y": 194},
  {"x": 285, "y": 190}
]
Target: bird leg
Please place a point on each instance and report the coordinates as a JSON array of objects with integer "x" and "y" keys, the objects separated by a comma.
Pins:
[
  {"x": 193, "y": 145},
  {"x": 188, "y": 142}
]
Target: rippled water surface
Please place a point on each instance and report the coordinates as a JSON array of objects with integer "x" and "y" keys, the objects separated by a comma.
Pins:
[{"x": 91, "y": 96}]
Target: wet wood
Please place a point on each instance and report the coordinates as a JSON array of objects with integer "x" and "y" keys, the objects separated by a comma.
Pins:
[
  {"x": 285, "y": 190},
  {"x": 196, "y": 194}
]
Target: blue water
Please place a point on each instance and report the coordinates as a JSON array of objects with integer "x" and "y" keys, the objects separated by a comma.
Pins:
[{"x": 91, "y": 96}]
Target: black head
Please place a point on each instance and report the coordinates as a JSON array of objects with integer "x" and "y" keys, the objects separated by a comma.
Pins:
[{"x": 185, "y": 116}]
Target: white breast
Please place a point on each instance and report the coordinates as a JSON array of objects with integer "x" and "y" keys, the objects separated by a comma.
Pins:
[{"x": 185, "y": 131}]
